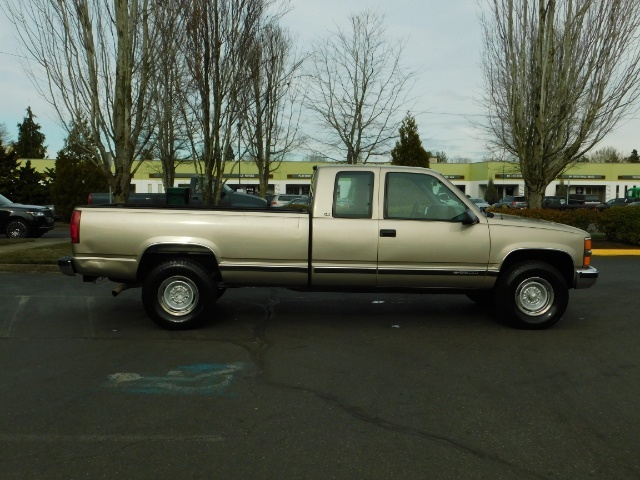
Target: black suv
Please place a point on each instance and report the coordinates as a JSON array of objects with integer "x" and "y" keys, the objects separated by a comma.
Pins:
[{"x": 21, "y": 221}]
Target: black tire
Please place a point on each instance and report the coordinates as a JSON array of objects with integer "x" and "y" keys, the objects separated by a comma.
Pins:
[
  {"x": 532, "y": 295},
  {"x": 179, "y": 294},
  {"x": 17, "y": 228}
]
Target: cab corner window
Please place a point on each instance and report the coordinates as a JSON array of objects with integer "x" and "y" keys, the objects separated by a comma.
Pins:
[{"x": 353, "y": 195}]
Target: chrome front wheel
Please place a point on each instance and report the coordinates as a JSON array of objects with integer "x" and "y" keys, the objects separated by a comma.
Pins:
[
  {"x": 534, "y": 296},
  {"x": 531, "y": 295}
]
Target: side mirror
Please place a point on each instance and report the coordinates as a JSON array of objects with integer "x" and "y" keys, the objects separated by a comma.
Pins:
[{"x": 469, "y": 218}]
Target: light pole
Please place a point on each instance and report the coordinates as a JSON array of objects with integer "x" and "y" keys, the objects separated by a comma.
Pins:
[{"x": 239, "y": 162}]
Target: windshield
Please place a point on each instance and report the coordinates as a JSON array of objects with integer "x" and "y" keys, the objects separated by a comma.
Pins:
[{"x": 4, "y": 200}]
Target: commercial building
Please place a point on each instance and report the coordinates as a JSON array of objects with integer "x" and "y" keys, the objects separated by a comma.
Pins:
[{"x": 606, "y": 180}]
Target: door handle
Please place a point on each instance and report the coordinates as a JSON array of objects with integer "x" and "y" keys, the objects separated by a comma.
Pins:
[{"x": 387, "y": 233}]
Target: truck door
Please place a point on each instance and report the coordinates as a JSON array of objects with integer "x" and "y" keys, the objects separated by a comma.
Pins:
[
  {"x": 422, "y": 241},
  {"x": 345, "y": 239}
]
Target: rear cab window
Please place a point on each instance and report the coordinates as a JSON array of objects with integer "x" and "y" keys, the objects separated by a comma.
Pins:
[{"x": 353, "y": 195}]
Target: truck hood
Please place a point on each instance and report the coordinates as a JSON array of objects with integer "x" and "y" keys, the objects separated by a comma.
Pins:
[{"x": 517, "y": 221}]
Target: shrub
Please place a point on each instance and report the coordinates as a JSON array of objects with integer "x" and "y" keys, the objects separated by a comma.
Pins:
[
  {"x": 621, "y": 223},
  {"x": 584, "y": 218},
  {"x": 617, "y": 223}
]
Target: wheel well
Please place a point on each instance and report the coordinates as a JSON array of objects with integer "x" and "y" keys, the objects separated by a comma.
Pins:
[
  {"x": 161, "y": 253},
  {"x": 16, "y": 217},
  {"x": 559, "y": 260}
]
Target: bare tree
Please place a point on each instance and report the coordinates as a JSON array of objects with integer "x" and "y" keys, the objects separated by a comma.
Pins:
[
  {"x": 96, "y": 56},
  {"x": 559, "y": 75},
  {"x": 219, "y": 35},
  {"x": 273, "y": 117},
  {"x": 606, "y": 155},
  {"x": 357, "y": 89},
  {"x": 4, "y": 134},
  {"x": 170, "y": 138}
]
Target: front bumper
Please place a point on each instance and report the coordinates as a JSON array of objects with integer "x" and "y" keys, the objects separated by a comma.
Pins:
[
  {"x": 585, "y": 277},
  {"x": 65, "y": 264}
]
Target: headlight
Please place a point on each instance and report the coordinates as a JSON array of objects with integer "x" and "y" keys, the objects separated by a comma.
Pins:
[{"x": 37, "y": 213}]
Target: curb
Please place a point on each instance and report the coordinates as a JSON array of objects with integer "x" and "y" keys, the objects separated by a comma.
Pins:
[{"x": 615, "y": 252}]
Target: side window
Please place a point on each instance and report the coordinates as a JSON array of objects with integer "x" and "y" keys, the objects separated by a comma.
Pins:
[
  {"x": 416, "y": 196},
  {"x": 353, "y": 195}
]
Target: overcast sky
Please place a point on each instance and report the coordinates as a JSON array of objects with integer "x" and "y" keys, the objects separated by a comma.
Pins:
[{"x": 443, "y": 43}]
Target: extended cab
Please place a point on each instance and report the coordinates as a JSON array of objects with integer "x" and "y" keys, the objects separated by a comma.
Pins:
[{"x": 368, "y": 228}]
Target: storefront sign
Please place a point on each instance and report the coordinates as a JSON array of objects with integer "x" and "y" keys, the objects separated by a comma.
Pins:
[
  {"x": 628, "y": 177},
  {"x": 582, "y": 177},
  {"x": 300, "y": 175},
  {"x": 508, "y": 175},
  {"x": 454, "y": 177}
]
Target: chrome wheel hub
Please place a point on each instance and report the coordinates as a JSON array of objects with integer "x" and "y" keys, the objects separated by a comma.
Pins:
[
  {"x": 178, "y": 295},
  {"x": 534, "y": 296}
]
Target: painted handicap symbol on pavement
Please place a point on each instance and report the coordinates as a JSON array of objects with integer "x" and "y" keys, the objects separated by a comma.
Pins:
[{"x": 198, "y": 379}]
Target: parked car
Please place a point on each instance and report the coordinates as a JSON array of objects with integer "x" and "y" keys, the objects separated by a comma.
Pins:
[
  {"x": 22, "y": 221},
  {"x": 282, "y": 200},
  {"x": 193, "y": 196},
  {"x": 511, "y": 201},
  {"x": 298, "y": 203},
  {"x": 559, "y": 202},
  {"x": 616, "y": 202},
  {"x": 587, "y": 200},
  {"x": 554, "y": 201},
  {"x": 480, "y": 203}
]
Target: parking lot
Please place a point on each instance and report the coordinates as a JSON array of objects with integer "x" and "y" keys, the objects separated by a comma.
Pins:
[{"x": 290, "y": 385}]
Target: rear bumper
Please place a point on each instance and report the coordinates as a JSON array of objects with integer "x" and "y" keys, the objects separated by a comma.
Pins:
[
  {"x": 585, "y": 277},
  {"x": 65, "y": 264}
]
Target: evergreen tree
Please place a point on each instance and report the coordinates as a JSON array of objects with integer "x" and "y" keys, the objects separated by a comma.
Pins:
[
  {"x": 562, "y": 189},
  {"x": 31, "y": 187},
  {"x": 30, "y": 142},
  {"x": 408, "y": 150},
  {"x": 491, "y": 195},
  {"x": 8, "y": 171},
  {"x": 77, "y": 171},
  {"x": 634, "y": 158}
]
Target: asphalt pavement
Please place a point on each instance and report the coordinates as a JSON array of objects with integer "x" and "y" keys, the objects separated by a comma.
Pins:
[{"x": 288, "y": 385}]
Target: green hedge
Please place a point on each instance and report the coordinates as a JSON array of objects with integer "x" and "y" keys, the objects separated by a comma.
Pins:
[
  {"x": 621, "y": 224},
  {"x": 617, "y": 223}
]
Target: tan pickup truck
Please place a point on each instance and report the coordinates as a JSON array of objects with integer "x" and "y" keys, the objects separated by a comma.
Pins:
[{"x": 368, "y": 228}]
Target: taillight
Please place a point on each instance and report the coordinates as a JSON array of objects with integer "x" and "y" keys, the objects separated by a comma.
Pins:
[
  {"x": 89, "y": 199},
  {"x": 74, "y": 226},
  {"x": 586, "y": 257}
]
